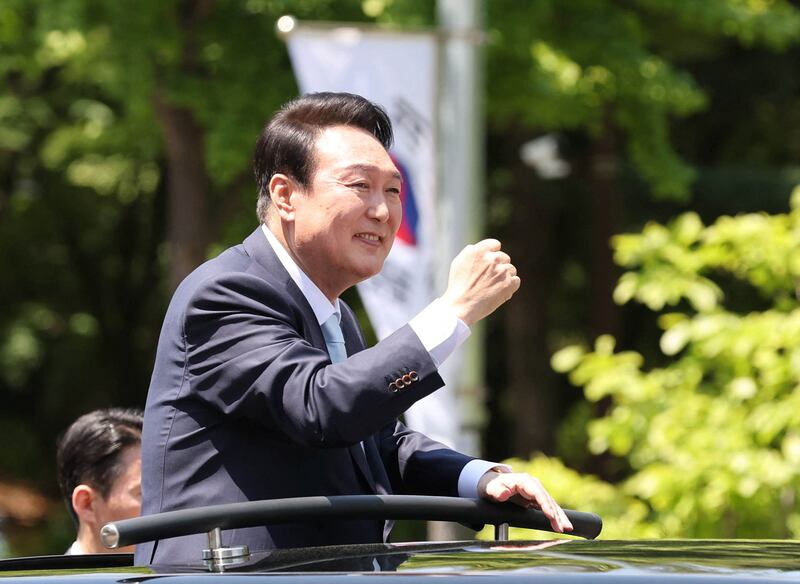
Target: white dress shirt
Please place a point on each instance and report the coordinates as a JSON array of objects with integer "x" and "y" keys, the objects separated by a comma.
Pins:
[
  {"x": 76, "y": 549},
  {"x": 439, "y": 330}
]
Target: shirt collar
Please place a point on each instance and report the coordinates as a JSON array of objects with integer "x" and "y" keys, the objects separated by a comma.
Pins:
[
  {"x": 322, "y": 307},
  {"x": 76, "y": 549}
]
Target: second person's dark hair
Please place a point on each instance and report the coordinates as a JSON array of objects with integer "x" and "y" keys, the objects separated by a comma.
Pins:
[{"x": 90, "y": 450}]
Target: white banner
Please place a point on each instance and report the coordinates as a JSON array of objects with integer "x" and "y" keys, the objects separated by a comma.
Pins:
[{"x": 399, "y": 72}]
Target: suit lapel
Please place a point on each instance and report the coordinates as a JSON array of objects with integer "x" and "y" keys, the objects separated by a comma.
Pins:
[
  {"x": 353, "y": 339},
  {"x": 258, "y": 248}
]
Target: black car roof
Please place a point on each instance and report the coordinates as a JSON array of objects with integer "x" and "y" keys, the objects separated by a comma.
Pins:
[{"x": 582, "y": 562}]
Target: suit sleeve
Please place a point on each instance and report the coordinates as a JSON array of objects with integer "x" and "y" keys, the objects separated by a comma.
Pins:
[
  {"x": 418, "y": 465},
  {"x": 246, "y": 356}
]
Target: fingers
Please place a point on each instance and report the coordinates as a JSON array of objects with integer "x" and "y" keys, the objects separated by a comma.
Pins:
[
  {"x": 528, "y": 491},
  {"x": 488, "y": 245},
  {"x": 533, "y": 490},
  {"x": 492, "y": 251},
  {"x": 502, "y": 261},
  {"x": 500, "y": 257},
  {"x": 509, "y": 271},
  {"x": 481, "y": 279}
]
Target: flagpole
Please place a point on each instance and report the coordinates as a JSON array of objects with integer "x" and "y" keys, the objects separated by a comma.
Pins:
[
  {"x": 461, "y": 190},
  {"x": 461, "y": 183}
]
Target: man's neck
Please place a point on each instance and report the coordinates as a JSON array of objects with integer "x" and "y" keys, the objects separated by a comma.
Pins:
[
  {"x": 88, "y": 543},
  {"x": 283, "y": 237},
  {"x": 321, "y": 302}
]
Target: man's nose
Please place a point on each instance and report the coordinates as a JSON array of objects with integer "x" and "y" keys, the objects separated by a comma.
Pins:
[{"x": 379, "y": 208}]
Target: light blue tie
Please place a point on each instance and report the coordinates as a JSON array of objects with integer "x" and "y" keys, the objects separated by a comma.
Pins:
[{"x": 334, "y": 339}]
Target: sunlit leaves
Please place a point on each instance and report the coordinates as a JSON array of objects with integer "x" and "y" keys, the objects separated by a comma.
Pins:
[
  {"x": 59, "y": 47},
  {"x": 672, "y": 261},
  {"x": 711, "y": 436},
  {"x": 563, "y": 72}
]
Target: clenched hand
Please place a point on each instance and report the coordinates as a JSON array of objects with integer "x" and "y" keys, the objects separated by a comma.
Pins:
[{"x": 482, "y": 278}]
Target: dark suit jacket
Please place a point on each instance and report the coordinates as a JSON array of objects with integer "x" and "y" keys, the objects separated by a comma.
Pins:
[{"x": 244, "y": 404}]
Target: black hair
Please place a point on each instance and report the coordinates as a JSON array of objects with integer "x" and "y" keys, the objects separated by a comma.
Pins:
[
  {"x": 286, "y": 142},
  {"x": 90, "y": 451}
]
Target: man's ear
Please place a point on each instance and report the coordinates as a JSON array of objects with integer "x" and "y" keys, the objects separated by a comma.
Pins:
[
  {"x": 281, "y": 189},
  {"x": 83, "y": 502}
]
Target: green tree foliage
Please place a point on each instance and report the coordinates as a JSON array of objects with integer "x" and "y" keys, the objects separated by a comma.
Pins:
[
  {"x": 81, "y": 205},
  {"x": 126, "y": 132},
  {"x": 584, "y": 64},
  {"x": 710, "y": 435},
  {"x": 613, "y": 80}
]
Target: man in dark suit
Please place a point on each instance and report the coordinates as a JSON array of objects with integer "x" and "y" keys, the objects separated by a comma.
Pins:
[{"x": 263, "y": 386}]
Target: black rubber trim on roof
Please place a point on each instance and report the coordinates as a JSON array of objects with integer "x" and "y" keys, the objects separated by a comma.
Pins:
[{"x": 64, "y": 562}]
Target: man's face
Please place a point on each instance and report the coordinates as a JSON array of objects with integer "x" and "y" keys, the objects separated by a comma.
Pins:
[
  {"x": 344, "y": 223},
  {"x": 125, "y": 498}
]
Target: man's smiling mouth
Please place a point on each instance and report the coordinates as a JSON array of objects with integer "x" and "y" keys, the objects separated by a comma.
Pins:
[{"x": 369, "y": 237}]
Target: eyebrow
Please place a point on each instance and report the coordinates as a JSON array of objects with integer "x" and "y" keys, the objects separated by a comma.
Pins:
[{"x": 371, "y": 168}]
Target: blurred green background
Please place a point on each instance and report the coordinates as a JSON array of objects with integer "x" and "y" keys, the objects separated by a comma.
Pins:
[{"x": 659, "y": 275}]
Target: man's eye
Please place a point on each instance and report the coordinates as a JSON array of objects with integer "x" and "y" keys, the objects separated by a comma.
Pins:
[
  {"x": 393, "y": 190},
  {"x": 360, "y": 185}
]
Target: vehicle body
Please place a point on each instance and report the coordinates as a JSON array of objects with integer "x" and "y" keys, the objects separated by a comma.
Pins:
[{"x": 505, "y": 562}]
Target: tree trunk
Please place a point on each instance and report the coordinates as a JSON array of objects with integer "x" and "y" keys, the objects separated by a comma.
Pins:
[
  {"x": 532, "y": 403},
  {"x": 605, "y": 204},
  {"x": 187, "y": 185},
  {"x": 188, "y": 231}
]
